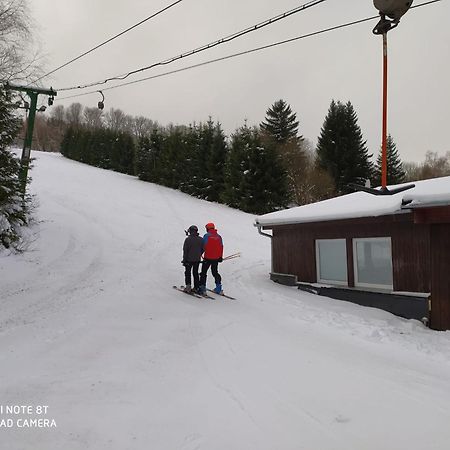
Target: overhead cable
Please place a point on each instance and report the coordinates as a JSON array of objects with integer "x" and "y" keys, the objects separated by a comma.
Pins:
[
  {"x": 108, "y": 40},
  {"x": 245, "y": 52},
  {"x": 223, "y": 40}
]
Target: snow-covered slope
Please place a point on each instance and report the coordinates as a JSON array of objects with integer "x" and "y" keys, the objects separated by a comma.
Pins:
[{"x": 91, "y": 328}]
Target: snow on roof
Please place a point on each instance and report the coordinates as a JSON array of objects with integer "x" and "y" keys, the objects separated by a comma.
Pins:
[{"x": 363, "y": 204}]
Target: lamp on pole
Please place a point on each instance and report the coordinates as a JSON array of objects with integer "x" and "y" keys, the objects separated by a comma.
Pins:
[{"x": 390, "y": 13}]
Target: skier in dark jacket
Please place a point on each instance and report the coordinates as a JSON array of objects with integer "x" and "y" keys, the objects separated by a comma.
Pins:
[
  {"x": 213, "y": 253},
  {"x": 192, "y": 254}
]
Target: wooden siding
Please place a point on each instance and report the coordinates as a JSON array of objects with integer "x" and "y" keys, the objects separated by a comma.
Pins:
[
  {"x": 411, "y": 258},
  {"x": 294, "y": 247},
  {"x": 294, "y": 253},
  {"x": 432, "y": 215},
  {"x": 350, "y": 263},
  {"x": 440, "y": 278}
]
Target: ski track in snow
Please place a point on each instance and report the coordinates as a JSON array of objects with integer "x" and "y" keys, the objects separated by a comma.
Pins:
[{"x": 91, "y": 326}]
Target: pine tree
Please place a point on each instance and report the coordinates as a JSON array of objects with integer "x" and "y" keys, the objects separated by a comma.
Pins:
[
  {"x": 214, "y": 146},
  {"x": 172, "y": 158},
  {"x": 193, "y": 172},
  {"x": 395, "y": 172},
  {"x": 156, "y": 148},
  {"x": 281, "y": 127},
  {"x": 143, "y": 164},
  {"x": 341, "y": 150},
  {"x": 281, "y": 123},
  {"x": 255, "y": 180},
  {"x": 13, "y": 207}
]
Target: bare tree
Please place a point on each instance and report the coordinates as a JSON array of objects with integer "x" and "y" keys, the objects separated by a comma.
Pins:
[
  {"x": 413, "y": 171},
  {"x": 434, "y": 166},
  {"x": 74, "y": 114},
  {"x": 58, "y": 115},
  {"x": 93, "y": 117},
  {"x": 308, "y": 182},
  {"x": 115, "y": 119},
  {"x": 143, "y": 127},
  {"x": 42, "y": 135},
  {"x": 128, "y": 124},
  {"x": 19, "y": 55}
]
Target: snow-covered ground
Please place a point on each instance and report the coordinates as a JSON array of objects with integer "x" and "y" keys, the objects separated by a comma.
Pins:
[{"x": 91, "y": 328}]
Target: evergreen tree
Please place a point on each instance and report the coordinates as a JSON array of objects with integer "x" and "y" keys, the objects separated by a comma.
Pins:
[
  {"x": 395, "y": 172},
  {"x": 157, "y": 142},
  {"x": 67, "y": 143},
  {"x": 281, "y": 123},
  {"x": 143, "y": 165},
  {"x": 172, "y": 158},
  {"x": 213, "y": 152},
  {"x": 13, "y": 207},
  {"x": 255, "y": 180},
  {"x": 149, "y": 151},
  {"x": 216, "y": 164},
  {"x": 341, "y": 150},
  {"x": 281, "y": 127},
  {"x": 193, "y": 173}
]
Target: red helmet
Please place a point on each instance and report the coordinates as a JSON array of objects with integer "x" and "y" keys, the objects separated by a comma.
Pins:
[{"x": 210, "y": 226}]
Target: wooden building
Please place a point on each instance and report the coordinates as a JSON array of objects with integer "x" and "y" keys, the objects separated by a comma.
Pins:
[{"x": 389, "y": 252}]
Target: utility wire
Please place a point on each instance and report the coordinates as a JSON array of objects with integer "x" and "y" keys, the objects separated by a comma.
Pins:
[
  {"x": 245, "y": 52},
  {"x": 223, "y": 58},
  {"x": 108, "y": 40},
  {"x": 204, "y": 47}
]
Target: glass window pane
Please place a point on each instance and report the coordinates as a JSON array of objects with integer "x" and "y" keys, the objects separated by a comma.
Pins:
[
  {"x": 374, "y": 261},
  {"x": 332, "y": 260}
]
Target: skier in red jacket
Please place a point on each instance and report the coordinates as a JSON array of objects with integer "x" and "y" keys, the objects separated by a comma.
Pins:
[{"x": 212, "y": 256}]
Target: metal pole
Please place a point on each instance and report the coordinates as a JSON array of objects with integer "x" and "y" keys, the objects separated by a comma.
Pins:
[
  {"x": 25, "y": 160},
  {"x": 33, "y": 93},
  {"x": 384, "y": 137}
]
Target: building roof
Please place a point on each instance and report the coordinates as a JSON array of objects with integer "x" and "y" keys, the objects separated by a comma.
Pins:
[{"x": 362, "y": 204}]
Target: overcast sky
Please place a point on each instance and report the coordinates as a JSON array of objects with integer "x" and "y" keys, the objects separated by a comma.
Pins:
[{"x": 342, "y": 65}]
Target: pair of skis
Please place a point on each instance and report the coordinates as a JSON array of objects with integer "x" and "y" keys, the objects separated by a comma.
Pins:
[{"x": 194, "y": 294}]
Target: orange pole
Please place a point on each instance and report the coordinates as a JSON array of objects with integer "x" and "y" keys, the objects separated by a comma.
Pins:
[{"x": 384, "y": 137}]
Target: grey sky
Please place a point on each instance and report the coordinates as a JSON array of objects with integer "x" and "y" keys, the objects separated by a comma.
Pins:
[{"x": 344, "y": 64}]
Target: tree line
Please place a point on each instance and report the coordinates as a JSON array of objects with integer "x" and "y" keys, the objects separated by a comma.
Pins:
[
  {"x": 244, "y": 171},
  {"x": 257, "y": 169}
]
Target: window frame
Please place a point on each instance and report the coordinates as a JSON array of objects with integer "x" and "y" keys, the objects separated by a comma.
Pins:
[
  {"x": 384, "y": 287},
  {"x": 318, "y": 274}
]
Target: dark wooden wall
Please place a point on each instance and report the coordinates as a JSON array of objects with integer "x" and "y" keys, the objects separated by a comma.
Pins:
[
  {"x": 294, "y": 248},
  {"x": 440, "y": 277}
]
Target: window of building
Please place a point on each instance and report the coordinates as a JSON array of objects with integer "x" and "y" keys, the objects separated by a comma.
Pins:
[
  {"x": 331, "y": 259},
  {"x": 372, "y": 259}
]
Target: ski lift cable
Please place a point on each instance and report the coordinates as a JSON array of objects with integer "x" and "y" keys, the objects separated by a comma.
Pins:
[
  {"x": 107, "y": 41},
  {"x": 223, "y": 40},
  {"x": 245, "y": 52}
]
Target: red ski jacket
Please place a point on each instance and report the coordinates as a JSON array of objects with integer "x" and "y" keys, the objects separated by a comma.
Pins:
[{"x": 212, "y": 245}]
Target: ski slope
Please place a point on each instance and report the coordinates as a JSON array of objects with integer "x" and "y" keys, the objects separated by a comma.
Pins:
[{"x": 91, "y": 327}]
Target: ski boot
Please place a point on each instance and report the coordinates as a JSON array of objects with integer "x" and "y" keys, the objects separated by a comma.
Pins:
[
  {"x": 202, "y": 290},
  {"x": 218, "y": 289},
  {"x": 187, "y": 289}
]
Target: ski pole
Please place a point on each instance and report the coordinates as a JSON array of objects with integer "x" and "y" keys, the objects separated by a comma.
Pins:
[
  {"x": 233, "y": 255},
  {"x": 236, "y": 255}
]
